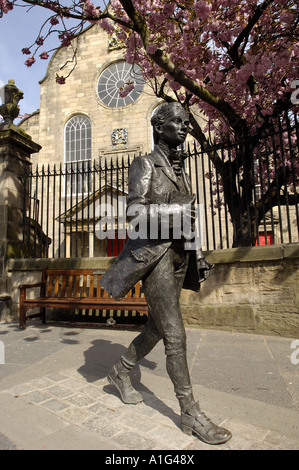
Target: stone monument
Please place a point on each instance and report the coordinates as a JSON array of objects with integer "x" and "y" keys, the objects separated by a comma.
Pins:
[{"x": 159, "y": 186}]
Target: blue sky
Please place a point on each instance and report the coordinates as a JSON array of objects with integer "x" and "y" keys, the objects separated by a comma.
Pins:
[{"x": 19, "y": 28}]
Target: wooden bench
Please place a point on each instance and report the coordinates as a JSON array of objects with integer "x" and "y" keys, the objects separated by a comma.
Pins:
[{"x": 75, "y": 289}]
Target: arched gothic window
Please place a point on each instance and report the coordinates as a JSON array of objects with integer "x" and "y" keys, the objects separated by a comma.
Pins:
[{"x": 77, "y": 154}]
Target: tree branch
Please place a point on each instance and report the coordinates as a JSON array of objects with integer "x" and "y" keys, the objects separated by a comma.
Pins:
[
  {"x": 246, "y": 31},
  {"x": 165, "y": 63}
]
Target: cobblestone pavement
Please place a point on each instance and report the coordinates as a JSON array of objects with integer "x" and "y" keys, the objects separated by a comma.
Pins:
[
  {"x": 73, "y": 401},
  {"x": 153, "y": 424}
]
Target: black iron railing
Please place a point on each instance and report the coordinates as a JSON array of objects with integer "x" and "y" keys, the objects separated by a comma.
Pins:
[{"x": 252, "y": 198}]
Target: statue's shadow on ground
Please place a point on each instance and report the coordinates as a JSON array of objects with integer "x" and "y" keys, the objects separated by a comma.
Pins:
[{"x": 99, "y": 359}]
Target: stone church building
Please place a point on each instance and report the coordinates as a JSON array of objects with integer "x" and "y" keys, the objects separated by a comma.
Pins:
[
  {"x": 84, "y": 122},
  {"x": 86, "y": 118}
]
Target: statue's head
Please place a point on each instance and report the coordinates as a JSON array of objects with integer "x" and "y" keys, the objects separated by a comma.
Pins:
[{"x": 170, "y": 124}]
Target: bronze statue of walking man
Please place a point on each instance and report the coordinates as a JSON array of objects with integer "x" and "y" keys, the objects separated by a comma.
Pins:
[{"x": 159, "y": 186}]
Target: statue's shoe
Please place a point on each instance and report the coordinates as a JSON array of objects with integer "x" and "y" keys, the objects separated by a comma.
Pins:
[
  {"x": 196, "y": 422},
  {"x": 123, "y": 384}
]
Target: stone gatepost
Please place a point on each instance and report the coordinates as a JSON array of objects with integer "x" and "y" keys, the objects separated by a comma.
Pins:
[{"x": 15, "y": 149}]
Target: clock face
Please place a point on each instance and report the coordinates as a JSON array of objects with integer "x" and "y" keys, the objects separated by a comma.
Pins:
[{"x": 114, "y": 79}]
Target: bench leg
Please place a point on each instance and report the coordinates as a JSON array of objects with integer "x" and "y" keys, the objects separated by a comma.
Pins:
[
  {"x": 43, "y": 315},
  {"x": 22, "y": 317}
]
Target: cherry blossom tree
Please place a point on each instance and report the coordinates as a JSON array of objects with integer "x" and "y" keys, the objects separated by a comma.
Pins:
[{"x": 236, "y": 62}]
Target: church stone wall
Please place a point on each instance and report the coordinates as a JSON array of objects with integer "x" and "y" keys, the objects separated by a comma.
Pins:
[{"x": 79, "y": 96}]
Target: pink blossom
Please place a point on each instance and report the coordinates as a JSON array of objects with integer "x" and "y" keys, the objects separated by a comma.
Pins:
[
  {"x": 24, "y": 116},
  {"x": 29, "y": 62},
  {"x": 287, "y": 16},
  {"x": 91, "y": 10},
  {"x": 54, "y": 21},
  {"x": 202, "y": 9},
  {"x": 175, "y": 85},
  {"x": 40, "y": 41},
  {"x": 151, "y": 48},
  {"x": 65, "y": 38},
  {"x": 60, "y": 80},
  {"x": 168, "y": 9},
  {"x": 5, "y": 6},
  {"x": 26, "y": 51},
  {"x": 126, "y": 90},
  {"x": 106, "y": 25},
  {"x": 54, "y": 6},
  {"x": 44, "y": 55}
]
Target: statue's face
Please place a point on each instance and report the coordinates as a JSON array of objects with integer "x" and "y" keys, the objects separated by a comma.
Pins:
[{"x": 174, "y": 130}]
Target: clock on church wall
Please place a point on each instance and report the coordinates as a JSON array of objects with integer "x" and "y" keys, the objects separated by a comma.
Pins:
[{"x": 116, "y": 77}]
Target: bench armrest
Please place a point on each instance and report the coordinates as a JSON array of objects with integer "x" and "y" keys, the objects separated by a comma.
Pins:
[{"x": 28, "y": 286}]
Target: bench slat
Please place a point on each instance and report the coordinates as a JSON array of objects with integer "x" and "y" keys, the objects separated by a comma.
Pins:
[
  {"x": 105, "y": 293},
  {"x": 137, "y": 290},
  {"x": 63, "y": 286},
  {"x": 99, "y": 287},
  {"x": 84, "y": 294},
  {"x": 129, "y": 294},
  {"x": 91, "y": 285},
  {"x": 70, "y": 286},
  {"x": 56, "y": 286},
  {"x": 77, "y": 286},
  {"x": 50, "y": 285}
]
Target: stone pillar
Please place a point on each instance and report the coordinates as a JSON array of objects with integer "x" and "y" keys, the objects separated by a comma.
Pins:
[{"x": 15, "y": 149}]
